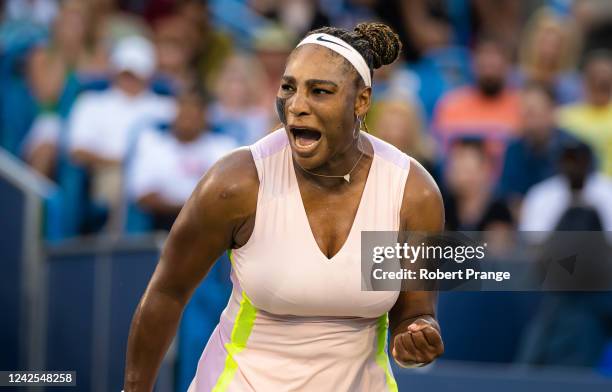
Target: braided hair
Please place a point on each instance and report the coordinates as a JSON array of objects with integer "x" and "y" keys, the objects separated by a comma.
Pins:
[{"x": 376, "y": 42}]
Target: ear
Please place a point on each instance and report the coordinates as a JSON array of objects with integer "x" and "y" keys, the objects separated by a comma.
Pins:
[{"x": 362, "y": 101}]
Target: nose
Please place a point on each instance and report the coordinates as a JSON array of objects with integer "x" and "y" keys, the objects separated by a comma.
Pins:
[{"x": 297, "y": 105}]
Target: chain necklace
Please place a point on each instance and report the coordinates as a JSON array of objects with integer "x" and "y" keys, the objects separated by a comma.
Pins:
[{"x": 347, "y": 176}]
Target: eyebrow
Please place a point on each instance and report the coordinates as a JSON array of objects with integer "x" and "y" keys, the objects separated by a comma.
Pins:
[{"x": 310, "y": 82}]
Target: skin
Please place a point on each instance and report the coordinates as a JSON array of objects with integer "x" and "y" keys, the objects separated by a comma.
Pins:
[
  {"x": 220, "y": 215},
  {"x": 598, "y": 81},
  {"x": 538, "y": 117}
]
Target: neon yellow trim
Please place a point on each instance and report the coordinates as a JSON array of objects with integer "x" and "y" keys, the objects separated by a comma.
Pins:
[
  {"x": 229, "y": 255},
  {"x": 240, "y": 335},
  {"x": 382, "y": 359}
]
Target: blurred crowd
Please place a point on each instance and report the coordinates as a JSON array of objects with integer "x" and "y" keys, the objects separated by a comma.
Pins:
[{"x": 125, "y": 104}]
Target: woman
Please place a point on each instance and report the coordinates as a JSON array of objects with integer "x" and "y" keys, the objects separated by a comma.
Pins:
[
  {"x": 548, "y": 55},
  {"x": 291, "y": 208}
]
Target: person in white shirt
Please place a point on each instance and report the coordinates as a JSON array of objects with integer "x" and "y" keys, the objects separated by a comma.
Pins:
[
  {"x": 166, "y": 166},
  {"x": 101, "y": 124},
  {"x": 546, "y": 202}
]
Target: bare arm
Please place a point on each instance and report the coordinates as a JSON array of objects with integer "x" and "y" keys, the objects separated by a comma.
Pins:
[
  {"x": 154, "y": 203},
  {"x": 223, "y": 200},
  {"x": 415, "y": 333}
]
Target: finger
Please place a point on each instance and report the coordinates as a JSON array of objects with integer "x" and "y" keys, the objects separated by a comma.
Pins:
[
  {"x": 411, "y": 347},
  {"x": 434, "y": 339},
  {"x": 399, "y": 351},
  {"x": 405, "y": 356},
  {"x": 418, "y": 325},
  {"x": 420, "y": 342}
]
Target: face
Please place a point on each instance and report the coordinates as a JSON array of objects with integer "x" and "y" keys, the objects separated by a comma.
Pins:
[
  {"x": 548, "y": 44},
  {"x": 190, "y": 119},
  {"x": 398, "y": 124},
  {"x": 537, "y": 113},
  {"x": 320, "y": 100},
  {"x": 468, "y": 170},
  {"x": 490, "y": 67},
  {"x": 70, "y": 27},
  {"x": 598, "y": 80}
]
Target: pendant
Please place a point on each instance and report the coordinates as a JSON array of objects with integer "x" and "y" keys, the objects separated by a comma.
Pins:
[{"x": 347, "y": 177}]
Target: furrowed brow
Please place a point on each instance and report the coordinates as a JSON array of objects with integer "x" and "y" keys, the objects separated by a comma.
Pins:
[{"x": 312, "y": 82}]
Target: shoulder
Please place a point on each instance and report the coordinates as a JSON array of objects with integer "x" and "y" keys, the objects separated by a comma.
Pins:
[
  {"x": 544, "y": 189},
  {"x": 151, "y": 139},
  {"x": 91, "y": 100},
  {"x": 270, "y": 144},
  {"x": 389, "y": 153},
  {"x": 602, "y": 183},
  {"x": 230, "y": 186},
  {"x": 458, "y": 95},
  {"x": 571, "y": 112},
  {"x": 421, "y": 197},
  {"x": 162, "y": 105},
  {"x": 422, "y": 205}
]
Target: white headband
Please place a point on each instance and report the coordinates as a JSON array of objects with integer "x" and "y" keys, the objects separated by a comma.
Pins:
[{"x": 344, "y": 49}]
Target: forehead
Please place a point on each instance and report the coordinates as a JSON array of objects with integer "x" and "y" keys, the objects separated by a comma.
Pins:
[
  {"x": 312, "y": 61},
  {"x": 601, "y": 65}
]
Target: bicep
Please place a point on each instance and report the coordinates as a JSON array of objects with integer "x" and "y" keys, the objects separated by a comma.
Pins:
[
  {"x": 422, "y": 211},
  {"x": 204, "y": 230}
]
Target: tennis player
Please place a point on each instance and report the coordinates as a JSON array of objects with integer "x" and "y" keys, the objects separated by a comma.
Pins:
[{"x": 291, "y": 208}]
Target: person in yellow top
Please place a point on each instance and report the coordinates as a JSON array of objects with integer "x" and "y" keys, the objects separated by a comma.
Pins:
[{"x": 591, "y": 119}]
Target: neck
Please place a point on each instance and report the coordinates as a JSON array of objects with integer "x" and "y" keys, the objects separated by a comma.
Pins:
[{"x": 350, "y": 161}]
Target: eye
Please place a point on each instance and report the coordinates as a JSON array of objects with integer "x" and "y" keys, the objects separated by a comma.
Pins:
[
  {"x": 286, "y": 87},
  {"x": 320, "y": 91}
]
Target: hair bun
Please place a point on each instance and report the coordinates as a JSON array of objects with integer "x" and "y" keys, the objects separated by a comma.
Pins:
[{"x": 384, "y": 43}]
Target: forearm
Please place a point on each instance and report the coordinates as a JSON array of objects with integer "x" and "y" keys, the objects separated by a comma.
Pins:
[{"x": 154, "y": 325}]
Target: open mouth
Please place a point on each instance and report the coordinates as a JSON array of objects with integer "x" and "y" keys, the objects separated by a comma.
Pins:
[{"x": 305, "y": 138}]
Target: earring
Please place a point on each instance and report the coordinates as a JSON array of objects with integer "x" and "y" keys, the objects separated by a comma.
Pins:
[
  {"x": 358, "y": 128},
  {"x": 363, "y": 125}
]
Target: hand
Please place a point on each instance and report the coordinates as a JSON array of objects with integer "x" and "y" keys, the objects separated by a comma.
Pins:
[{"x": 418, "y": 345}]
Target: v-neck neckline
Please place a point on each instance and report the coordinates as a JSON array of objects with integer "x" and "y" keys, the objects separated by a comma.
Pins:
[{"x": 312, "y": 238}]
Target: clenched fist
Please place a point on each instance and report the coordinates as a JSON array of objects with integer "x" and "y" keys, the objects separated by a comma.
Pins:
[{"x": 419, "y": 344}]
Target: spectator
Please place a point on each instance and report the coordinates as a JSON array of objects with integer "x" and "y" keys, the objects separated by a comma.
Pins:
[
  {"x": 69, "y": 51},
  {"x": 489, "y": 110},
  {"x": 166, "y": 167},
  {"x": 576, "y": 200},
  {"x": 175, "y": 52},
  {"x": 548, "y": 55},
  {"x": 532, "y": 157},
  {"x": 400, "y": 123},
  {"x": 422, "y": 25},
  {"x": 298, "y": 16},
  {"x": 577, "y": 185},
  {"x": 112, "y": 24},
  {"x": 237, "y": 110},
  {"x": 468, "y": 185},
  {"x": 272, "y": 45},
  {"x": 209, "y": 48},
  {"x": 101, "y": 123},
  {"x": 53, "y": 79},
  {"x": 591, "y": 120}
]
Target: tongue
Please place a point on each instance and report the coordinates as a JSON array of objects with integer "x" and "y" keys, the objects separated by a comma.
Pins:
[{"x": 304, "y": 141}]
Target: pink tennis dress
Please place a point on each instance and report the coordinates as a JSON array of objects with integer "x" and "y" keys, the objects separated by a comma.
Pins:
[{"x": 296, "y": 320}]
